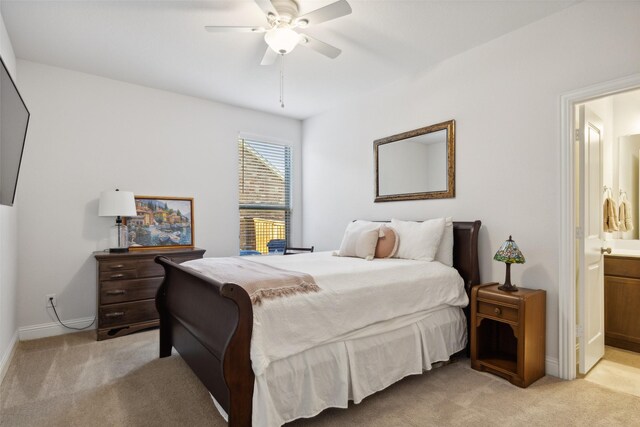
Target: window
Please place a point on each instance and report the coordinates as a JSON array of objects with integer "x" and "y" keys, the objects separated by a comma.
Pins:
[{"x": 265, "y": 196}]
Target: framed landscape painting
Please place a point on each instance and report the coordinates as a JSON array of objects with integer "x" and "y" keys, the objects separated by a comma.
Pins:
[{"x": 161, "y": 222}]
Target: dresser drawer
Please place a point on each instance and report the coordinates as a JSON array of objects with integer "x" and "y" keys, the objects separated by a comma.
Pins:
[
  {"x": 114, "y": 291},
  {"x": 109, "y": 266},
  {"x": 127, "y": 284},
  {"x": 149, "y": 268},
  {"x": 128, "y": 312},
  {"x": 498, "y": 311},
  {"x": 118, "y": 275}
]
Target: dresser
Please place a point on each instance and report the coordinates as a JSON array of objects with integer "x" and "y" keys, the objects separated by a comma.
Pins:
[
  {"x": 622, "y": 302},
  {"x": 508, "y": 333},
  {"x": 127, "y": 284}
]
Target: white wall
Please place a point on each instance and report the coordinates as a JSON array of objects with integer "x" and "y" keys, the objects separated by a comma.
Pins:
[
  {"x": 626, "y": 109},
  {"x": 626, "y": 122},
  {"x": 88, "y": 134},
  {"x": 505, "y": 98},
  {"x": 627, "y": 165},
  {"x": 8, "y": 242}
]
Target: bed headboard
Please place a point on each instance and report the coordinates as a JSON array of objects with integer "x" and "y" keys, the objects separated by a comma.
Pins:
[
  {"x": 465, "y": 251},
  {"x": 465, "y": 260}
]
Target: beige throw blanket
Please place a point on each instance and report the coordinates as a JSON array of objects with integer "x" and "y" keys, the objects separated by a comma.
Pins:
[{"x": 259, "y": 280}]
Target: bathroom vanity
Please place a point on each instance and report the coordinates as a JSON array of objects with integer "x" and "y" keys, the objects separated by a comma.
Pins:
[{"x": 622, "y": 301}]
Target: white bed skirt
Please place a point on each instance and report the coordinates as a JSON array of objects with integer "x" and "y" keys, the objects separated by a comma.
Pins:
[
  {"x": 328, "y": 376},
  {"x": 305, "y": 384}
]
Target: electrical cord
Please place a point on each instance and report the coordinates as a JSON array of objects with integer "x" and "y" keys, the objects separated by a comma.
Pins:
[{"x": 69, "y": 327}]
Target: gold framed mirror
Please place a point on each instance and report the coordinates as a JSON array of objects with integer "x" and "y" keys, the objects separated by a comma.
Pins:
[{"x": 415, "y": 165}]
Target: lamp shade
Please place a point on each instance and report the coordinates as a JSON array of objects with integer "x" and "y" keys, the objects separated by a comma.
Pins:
[
  {"x": 282, "y": 40},
  {"x": 117, "y": 203},
  {"x": 509, "y": 253}
]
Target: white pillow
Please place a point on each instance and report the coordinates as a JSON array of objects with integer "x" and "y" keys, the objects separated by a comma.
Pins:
[
  {"x": 418, "y": 240},
  {"x": 445, "y": 250},
  {"x": 360, "y": 239}
]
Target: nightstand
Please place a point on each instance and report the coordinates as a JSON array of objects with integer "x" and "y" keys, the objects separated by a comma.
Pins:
[
  {"x": 508, "y": 333},
  {"x": 127, "y": 285}
]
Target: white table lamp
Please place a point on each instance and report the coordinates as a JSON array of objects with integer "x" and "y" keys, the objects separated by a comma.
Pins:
[{"x": 118, "y": 203}]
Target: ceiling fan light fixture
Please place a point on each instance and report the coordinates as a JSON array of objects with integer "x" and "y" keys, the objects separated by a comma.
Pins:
[{"x": 282, "y": 40}]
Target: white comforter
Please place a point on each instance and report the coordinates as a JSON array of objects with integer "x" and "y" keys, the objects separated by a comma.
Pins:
[{"x": 355, "y": 294}]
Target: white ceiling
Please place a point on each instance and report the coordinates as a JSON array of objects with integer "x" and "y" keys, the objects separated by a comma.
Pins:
[{"x": 162, "y": 44}]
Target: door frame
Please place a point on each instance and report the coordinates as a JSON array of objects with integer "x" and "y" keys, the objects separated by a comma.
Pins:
[{"x": 567, "y": 277}]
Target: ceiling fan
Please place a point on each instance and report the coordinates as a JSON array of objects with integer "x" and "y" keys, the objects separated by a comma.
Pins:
[{"x": 283, "y": 18}]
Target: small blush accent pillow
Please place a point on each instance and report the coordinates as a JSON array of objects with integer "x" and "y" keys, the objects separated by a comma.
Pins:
[
  {"x": 360, "y": 239},
  {"x": 445, "y": 250},
  {"x": 418, "y": 240},
  {"x": 387, "y": 243}
]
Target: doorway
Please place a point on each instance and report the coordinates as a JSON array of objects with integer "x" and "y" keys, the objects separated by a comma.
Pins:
[
  {"x": 572, "y": 238},
  {"x": 608, "y": 197}
]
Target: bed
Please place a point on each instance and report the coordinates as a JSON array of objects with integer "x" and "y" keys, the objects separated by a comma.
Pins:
[{"x": 210, "y": 324}]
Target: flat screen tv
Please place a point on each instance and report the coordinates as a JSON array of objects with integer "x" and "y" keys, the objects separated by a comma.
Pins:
[{"x": 14, "y": 119}]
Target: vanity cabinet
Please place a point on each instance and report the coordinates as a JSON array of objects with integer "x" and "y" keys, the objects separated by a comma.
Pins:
[{"x": 622, "y": 302}]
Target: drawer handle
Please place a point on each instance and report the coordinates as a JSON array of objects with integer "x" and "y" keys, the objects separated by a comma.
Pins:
[
  {"x": 117, "y": 276},
  {"x": 115, "y": 314},
  {"x": 117, "y": 292},
  {"x": 497, "y": 311},
  {"x": 117, "y": 267}
]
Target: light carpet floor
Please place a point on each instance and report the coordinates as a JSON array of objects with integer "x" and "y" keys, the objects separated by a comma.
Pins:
[{"x": 73, "y": 380}]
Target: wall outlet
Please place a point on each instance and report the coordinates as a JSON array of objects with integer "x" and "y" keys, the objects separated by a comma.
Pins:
[{"x": 49, "y": 302}]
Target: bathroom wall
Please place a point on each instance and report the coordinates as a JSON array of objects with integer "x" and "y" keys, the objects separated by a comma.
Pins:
[
  {"x": 620, "y": 116},
  {"x": 628, "y": 148}
]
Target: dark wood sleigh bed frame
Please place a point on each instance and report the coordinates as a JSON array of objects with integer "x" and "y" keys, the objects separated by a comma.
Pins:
[{"x": 210, "y": 324}]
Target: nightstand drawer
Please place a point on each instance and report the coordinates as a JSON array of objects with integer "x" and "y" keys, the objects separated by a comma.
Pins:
[
  {"x": 498, "y": 311},
  {"x": 118, "y": 275},
  {"x": 126, "y": 313},
  {"x": 114, "y": 291}
]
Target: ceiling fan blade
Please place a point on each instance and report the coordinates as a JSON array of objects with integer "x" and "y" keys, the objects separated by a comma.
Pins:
[
  {"x": 321, "y": 47},
  {"x": 326, "y": 13},
  {"x": 222, "y": 29},
  {"x": 267, "y": 7},
  {"x": 269, "y": 57}
]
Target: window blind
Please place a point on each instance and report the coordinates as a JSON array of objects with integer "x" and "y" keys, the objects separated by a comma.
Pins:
[{"x": 264, "y": 196}]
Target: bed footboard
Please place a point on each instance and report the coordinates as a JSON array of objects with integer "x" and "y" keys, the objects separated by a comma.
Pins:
[{"x": 209, "y": 324}]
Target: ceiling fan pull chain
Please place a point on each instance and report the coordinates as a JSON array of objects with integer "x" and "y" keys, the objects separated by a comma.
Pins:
[{"x": 282, "y": 80}]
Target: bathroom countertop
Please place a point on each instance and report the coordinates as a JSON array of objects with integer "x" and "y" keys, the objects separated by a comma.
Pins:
[{"x": 625, "y": 252}]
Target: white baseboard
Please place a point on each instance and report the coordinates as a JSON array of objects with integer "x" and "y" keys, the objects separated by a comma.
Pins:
[
  {"x": 552, "y": 366},
  {"x": 52, "y": 329},
  {"x": 5, "y": 358}
]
